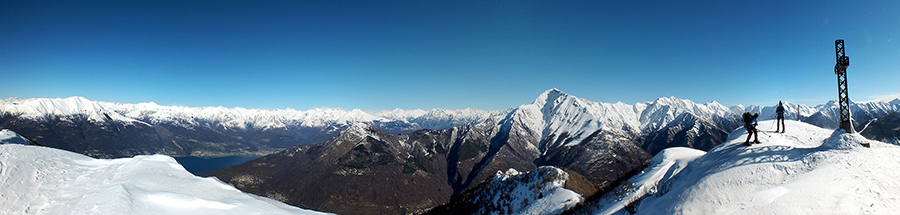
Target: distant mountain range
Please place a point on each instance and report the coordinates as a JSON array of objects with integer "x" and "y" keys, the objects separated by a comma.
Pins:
[{"x": 109, "y": 130}]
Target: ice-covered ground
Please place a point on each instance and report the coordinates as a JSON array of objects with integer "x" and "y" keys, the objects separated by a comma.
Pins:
[
  {"x": 808, "y": 170},
  {"x": 40, "y": 180}
]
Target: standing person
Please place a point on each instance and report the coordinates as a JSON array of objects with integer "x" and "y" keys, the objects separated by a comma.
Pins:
[
  {"x": 750, "y": 124},
  {"x": 779, "y": 120}
]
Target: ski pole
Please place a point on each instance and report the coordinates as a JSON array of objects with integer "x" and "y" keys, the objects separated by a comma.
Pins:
[{"x": 773, "y": 125}]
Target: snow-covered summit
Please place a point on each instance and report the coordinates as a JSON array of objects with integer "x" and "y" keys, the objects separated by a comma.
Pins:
[
  {"x": 808, "y": 170},
  {"x": 556, "y": 117},
  {"x": 40, "y": 180}
]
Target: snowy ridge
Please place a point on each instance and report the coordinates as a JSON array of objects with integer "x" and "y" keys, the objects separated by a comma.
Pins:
[
  {"x": 37, "y": 108},
  {"x": 663, "y": 166},
  {"x": 539, "y": 191},
  {"x": 808, "y": 170},
  {"x": 40, "y": 180},
  {"x": 437, "y": 114},
  {"x": 227, "y": 117},
  {"x": 664, "y": 110},
  {"x": 553, "y": 109},
  {"x": 554, "y": 115},
  {"x": 552, "y": 112}
]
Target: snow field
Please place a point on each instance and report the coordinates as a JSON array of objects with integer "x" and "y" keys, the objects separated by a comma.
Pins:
[
  {"x": 39, "y": 180},
  {"x": 807, "y": 170}
]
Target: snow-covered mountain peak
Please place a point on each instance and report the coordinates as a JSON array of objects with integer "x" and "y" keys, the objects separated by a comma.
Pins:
[
  {"x": 895, "y": 101},
  {"x": 230, "y": 118},
  {"x": 671, "y": 101},
  {"x": 555, "y": 115},
  {"x": 687, "y": 105},
  {"x": 663, "y": 110},
  {"x": 71, "y": 105},
  {"x": 716, "y": 107},
  {"x": 357, "y": 115},
  {"x": 549, "y": 97},
  {"x": 398, "y": 113},
  {"x": 438, "y": 113},
  {"x": 831, "y": 103},
  {"x": 355, "y": 132},
  {"x": 38, "y": 108},
  {"x": 355, "y": 129}
]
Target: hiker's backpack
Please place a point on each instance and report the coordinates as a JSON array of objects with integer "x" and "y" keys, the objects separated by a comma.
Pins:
[{"x": 747, "y": 117}]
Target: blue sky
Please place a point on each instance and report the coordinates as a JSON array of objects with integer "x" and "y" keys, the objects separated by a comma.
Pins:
[{"x": 375, "y": 55}]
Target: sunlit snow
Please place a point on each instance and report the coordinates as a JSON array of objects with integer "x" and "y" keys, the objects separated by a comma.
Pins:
[
  {"x": 40, "y": 180},
  {"x": 807, "y": 170}
]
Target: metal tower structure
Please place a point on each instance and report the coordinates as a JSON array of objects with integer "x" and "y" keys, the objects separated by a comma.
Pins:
[{"x": 840, "y": 69}]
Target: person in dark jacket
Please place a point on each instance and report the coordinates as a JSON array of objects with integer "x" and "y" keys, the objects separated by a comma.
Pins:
[
  {"x": 750, "y": 124},
  {"x": 779, "y": 117}
]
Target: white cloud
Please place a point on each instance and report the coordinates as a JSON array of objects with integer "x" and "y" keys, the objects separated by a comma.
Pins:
[{"x": 886, "y": 97}]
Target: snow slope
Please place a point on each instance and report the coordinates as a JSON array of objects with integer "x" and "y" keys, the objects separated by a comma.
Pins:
[
  {"x": 40, "y": 180},
  {"x": 8, "y": 136},
  {"x": 808, "y": 170},
  {"x": 664, "y": 166}
]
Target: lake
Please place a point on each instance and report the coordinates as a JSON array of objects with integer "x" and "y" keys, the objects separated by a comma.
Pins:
[{"x": 197, "y": 165}]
